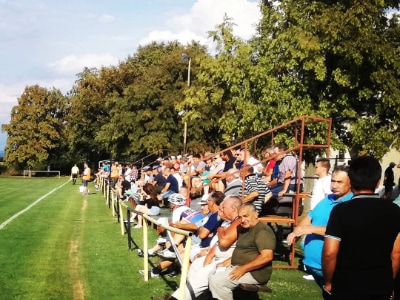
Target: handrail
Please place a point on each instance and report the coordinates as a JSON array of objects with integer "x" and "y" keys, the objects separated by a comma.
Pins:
[{"x": 186, "y": 257}]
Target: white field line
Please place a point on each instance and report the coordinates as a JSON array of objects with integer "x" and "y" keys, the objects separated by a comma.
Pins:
[{"x": 9, "y": 220}]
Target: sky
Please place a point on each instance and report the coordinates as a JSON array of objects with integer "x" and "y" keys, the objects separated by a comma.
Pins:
[{"x": 48, "y": 42}]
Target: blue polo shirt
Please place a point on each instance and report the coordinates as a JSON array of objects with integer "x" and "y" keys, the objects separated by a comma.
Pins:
[{"x": 314, "y": 243}]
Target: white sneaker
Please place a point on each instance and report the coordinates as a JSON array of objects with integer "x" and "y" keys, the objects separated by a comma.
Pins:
[
  {"x": 166, "y": 254},
  {"x": 137, "y": 226},
  {"x": 152, "y": 273},
  {"x": 150, "y": 252},
  {"x": 308, "y": 277},
  {"x": 161, "y": 240}
]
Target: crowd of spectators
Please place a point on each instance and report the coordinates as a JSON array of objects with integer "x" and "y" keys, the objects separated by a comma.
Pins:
[{"x": 230, "y": 246}]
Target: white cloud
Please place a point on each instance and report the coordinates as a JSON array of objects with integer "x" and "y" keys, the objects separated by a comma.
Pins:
[
  {"x": 184, "y": 37},
  {"x": 73, "y": 64},
  {"x": 105, "y": 18},
  {"x": 204, "y": 16}
]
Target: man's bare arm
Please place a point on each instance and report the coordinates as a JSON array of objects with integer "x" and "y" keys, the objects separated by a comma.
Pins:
[
  {"x": 227, "y": 236},
  {"x": 329, "y": 257},
  {"x": 396, "y": 257}
]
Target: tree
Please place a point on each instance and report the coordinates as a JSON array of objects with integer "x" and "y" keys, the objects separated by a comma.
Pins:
[
  {"x": 336, "y": 59},
  {"x": 35, "y": 129}
]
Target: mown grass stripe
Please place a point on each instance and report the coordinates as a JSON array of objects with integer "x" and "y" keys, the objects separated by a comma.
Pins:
[{"x": 9, "y": 220}]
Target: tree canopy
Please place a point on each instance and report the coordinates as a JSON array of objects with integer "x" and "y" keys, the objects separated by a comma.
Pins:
[{"x": 337, "y": 59}]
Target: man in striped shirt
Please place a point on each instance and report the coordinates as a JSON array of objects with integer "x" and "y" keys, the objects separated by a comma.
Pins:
[{"x": 255, "y": 190}]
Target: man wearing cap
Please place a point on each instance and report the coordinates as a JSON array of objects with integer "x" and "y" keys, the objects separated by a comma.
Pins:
[
  {"x": 147, "y": 174},
  {"x": 180, "y": 212}
]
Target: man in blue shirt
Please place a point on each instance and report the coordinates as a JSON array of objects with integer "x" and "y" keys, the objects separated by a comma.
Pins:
[
  {"x": 314, "y": 224},
  {"x": 361, "y": 253}
]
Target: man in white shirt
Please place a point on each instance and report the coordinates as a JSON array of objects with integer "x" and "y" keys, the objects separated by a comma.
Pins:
[
  {"x": 248, "y": 159},
  {"x": 322, "y": 186}
]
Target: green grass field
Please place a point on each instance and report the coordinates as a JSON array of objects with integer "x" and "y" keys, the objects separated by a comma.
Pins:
[{"x": 69, "y": 246}]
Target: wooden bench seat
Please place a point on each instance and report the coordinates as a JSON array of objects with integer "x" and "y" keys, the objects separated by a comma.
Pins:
[{"x": 276, "y": 219}]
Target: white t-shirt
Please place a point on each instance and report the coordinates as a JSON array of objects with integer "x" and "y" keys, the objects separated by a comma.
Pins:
[
  {"x": 178, "y": 177},
  {"x": 177, "y": 213},
  {"x": 255, "y": 163},
  {"x": 322, "y": 188}
]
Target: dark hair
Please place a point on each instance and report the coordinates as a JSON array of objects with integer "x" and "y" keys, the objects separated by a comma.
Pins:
[
  {"x": 217, "y": 197},
  {"x": 324, "y": 163},
  {"x": 228, "y": 153},
  {"x": 364, "y": 173},
  {"x": 149, "y": 189},
  {"x": 343, "y": 168},
  {"x": 249, "y": 169}
]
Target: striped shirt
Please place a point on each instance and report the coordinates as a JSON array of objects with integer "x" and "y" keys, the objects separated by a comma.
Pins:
[{"x": 253, "y": 183}]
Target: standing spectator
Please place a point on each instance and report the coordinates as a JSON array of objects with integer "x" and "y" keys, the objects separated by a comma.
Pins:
[
  {"x": 314, "y": 224},
  {"x": 255, "y": 190},
  {"x": 114, "y": 174},
  {"x": 388, "y": 181},
  {"x": 134, "y": 174},
  {"x": 86, "y": 175},
  {"x": 251, "y": 261},
  {"x": 322, "y": 186},
  {"x": 361, "y": 254},
  {"x": 74, "y": 174},
  {"x": 128, "y": 173}
]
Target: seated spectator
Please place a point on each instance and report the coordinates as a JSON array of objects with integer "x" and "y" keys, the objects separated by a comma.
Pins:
[
  {"x": 255, "y": 190},
  {"x": 251, "y": 261},
  {"x": 121, "y": 187},
  {"x": 233, "y": 183},
  {"x": 287, "y": 178},
  {"x": 250, "y": 160},
  {"x": 177, "y": 176},
  {"x": 220, "y": 252},
  {"x": 149, "y": 207},
  {"x": 147, "y": 175},
  {"x": 171, "y": 185},
  {"x": 229, "y": 164},
  {"x": 268, "y": 173},
  {"x": 159, "y": 180},
  {"x": 180, "y": 213},
  {"x": 208, "y": 228}
]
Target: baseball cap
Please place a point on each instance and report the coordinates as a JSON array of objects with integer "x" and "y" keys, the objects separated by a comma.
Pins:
[
  {"x": 204, "y": 199},
  {"x": 177, "y": 199}
]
